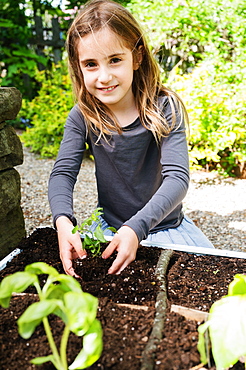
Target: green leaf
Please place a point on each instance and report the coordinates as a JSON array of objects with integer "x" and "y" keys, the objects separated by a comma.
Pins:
[
  {"x": 18, "y": 283},
  {"x": 99, "y": 235},
  {"x": 238, "y": 285},
  {"x": 12, "y": 69},
  {"x": 81, "y": 310},
  {"x": 68, "y": 283},
  {"x": 111, "y": 228},
  {"x": 75, "y": 229},
  {"x": 23, "y": 51},
  {"x": 227, "y": 329},
  {"x": 42, "y": 360},
  {"x": 87, "y": 240},
  {"x": 6, "y": 23},
  {"x": 55, "y": 292},
  {"x": 92, "y": 347},
  {"x": 41, "y": 268},
  {"x": 34, "y": 315}
]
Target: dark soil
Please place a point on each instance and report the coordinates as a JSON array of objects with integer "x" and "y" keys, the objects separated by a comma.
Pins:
[
  {"x": 126, "y": 306},
  {"x": 195, "y": 282}
]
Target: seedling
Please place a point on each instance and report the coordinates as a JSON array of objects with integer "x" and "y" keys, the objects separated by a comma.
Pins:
[
  {"x": 91, "y": 240},
  {"x": 62, "y": 296},
  {"x": 226, "y": 326}
]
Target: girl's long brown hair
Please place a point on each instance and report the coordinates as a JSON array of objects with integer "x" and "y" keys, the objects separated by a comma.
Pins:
[{"x": 147, "y": 86}]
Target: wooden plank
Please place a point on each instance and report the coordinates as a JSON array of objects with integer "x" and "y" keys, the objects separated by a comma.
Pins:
[
  {"x": 133, "y": 306},
  {"x": 190, "y": 313}
]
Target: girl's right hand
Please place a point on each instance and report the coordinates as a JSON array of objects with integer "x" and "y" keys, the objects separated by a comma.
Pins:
[{"x": 70, "y": 245}]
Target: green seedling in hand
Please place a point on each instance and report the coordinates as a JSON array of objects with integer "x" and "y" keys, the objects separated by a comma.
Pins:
[
  {"x": 92, "y": 239},
  {"x": 226, "y": 327},
  {"x": 62, "y": 296}
]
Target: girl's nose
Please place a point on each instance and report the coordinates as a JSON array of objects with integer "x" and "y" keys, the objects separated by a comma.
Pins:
[{"x": 104, "y": 75}]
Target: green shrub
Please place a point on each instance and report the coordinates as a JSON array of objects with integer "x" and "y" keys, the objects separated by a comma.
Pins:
[
  {"x": 186, "y": 31},
  {"x": 48, "y": 111},
  {"x": 214, "y": 95},
  {"x": 201, "y": 49}
]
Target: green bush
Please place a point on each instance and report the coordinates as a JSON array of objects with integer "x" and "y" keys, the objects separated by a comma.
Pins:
[
  {"x": 214, "y": 95},
  {"x": 48, "y": 111},
  {"x": 200, "y": 46},
  {"x": 186, "y": 31}
]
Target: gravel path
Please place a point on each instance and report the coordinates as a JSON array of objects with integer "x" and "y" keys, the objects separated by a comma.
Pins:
[{"x": 217, "y": 205}]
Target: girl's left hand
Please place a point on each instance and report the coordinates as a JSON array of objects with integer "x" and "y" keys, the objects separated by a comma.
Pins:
[{"x": 125, "y": 242}]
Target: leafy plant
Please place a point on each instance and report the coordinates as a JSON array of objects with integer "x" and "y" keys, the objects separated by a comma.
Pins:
[
  {"x": 61, "y": 295},
  {"x": 226, "y": 326},
  {"x": 92, "y": 239},
  {"x": 213, "y": 95},
  {"x": 200, "y": 46},
  {"x": 48, "y": 111},
  {"x": 20, "y": 52},
  {"x": 186, "y": 31}
]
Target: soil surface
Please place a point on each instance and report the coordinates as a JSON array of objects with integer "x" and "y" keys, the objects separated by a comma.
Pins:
[{"x": 126, "y": 306}]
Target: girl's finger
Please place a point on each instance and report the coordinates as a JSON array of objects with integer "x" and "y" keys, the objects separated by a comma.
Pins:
[
  {"x": 110, "y": 249},
  {"x": 75, "y": 255},
  {"x": 116, "y": 267},
  {"x": 77, "y": 246},
  {"x": 120, "y": 263},
  {"x": 71, "y": 271}
]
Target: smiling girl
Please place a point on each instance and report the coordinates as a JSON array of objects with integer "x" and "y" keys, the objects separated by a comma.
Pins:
[{"x": 135, "y": 129}]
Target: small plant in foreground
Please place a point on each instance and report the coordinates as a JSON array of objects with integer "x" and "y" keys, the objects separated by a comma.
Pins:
[
  {"x": 92, "y": 239},
  {"x": 226, "y": 327},
  {"x": 62, "y": 296}
]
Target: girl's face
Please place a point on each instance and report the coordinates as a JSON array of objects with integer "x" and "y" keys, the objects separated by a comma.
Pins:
[{"x": 107, "y": 68}]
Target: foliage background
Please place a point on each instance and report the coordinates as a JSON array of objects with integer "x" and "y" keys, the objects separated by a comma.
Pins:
[{"x": 200, "y": 46}]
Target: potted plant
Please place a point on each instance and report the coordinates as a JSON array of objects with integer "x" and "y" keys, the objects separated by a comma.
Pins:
[{"x": 93, "y": 240}]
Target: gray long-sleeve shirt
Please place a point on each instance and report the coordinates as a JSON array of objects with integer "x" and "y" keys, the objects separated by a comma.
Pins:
[{"x": 140, "y": 184}]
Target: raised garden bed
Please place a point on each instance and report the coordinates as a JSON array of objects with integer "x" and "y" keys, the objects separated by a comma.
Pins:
[{"x": 139, "y": 331}]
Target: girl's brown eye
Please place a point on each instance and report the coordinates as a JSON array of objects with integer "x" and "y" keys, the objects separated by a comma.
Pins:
[
  {"x": 90, "y": 65},
  {"x": 115, "y": 60}
]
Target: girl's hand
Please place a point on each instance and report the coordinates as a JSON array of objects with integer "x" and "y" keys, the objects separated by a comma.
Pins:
[
  {"x": 69, "y": 245},
  {"x": 125, "y": 242}
]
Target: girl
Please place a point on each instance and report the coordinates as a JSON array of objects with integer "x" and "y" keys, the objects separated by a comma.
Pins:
[{"x": 135, "y": 129}]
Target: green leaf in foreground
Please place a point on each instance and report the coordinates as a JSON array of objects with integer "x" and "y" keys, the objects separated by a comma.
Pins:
[
  {"x": 39, "y": 268},
  {"x": 227, "y": 327},
  {"x": 76, "y": 305},
  {"x": 62, "y": 296},
  {"x": 92, "y": 348},
  {"x": 42, "y": 360},
  {"x": 34, "y": 315},
  {"x": 15, "y": 283},
  {"x": 238, "y": 285}
]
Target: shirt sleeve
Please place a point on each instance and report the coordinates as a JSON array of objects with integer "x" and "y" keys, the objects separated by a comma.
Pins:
[
  {"x": 66, "y": 168},
  {"x": 174, "y": 186}
]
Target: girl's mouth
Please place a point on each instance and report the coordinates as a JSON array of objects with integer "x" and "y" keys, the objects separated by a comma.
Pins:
[{"x": 110, "y": 88}]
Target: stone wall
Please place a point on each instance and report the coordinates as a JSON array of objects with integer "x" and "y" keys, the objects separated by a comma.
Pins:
[{"x": 12, "y": 226}]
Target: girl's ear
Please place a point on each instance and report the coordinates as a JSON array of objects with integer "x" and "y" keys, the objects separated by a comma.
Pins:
[{"x": 139, "y": 58}]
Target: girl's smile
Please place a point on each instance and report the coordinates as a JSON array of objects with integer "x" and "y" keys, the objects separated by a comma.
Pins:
[
  {"x": 111, "y": 88},
  {"x": 108, "y": 68}
]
